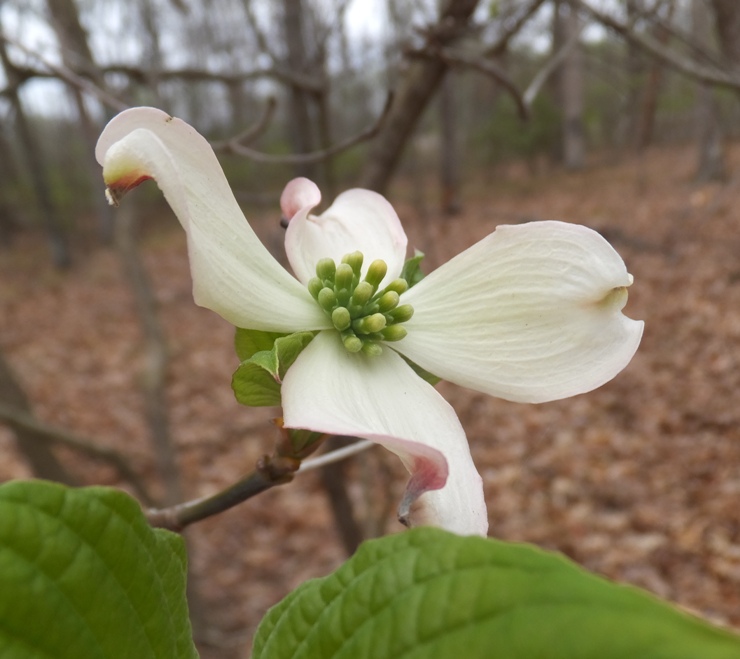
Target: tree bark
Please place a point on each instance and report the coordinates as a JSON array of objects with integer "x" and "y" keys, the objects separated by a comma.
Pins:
[
  {"x": 711, "y": 157},
  {"x": 571, "y": 92},
  {"x": 58, "y": 245},
  {"x": 449, "y": 161},
  {"x": 651, "y": 91},
  {"x": 301, "y": 129},
  {"x": 727, "y": 17},
  {"x": 415, "y": 89},
  {"x": 77, "y": 56}
]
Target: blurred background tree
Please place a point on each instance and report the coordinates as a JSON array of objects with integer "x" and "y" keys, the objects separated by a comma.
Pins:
[{"x": 544, "y": 82}]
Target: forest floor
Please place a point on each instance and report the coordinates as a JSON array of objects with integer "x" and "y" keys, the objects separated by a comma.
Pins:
[{"x": 638, "y": 481}]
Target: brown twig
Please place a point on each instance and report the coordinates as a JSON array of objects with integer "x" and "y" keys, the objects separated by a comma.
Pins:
[
  {"x": 512, "y": 25},
  {"x": 278, "y": 469},
  {"x": 268, "y": 473},
  {"x": 455, "y": 57},
  {"x": 78, "y": 443},
  {"x": 252, "y": 132},
  {"x": 64, "y": 73},
  {"x": 232, "y": 146}
]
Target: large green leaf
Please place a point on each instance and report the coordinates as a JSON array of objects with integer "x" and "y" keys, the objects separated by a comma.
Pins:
[
  {"x": 428, "y": 594},
  {"x": 266, "y": 359},
  {"x": 82, "y": 575}
]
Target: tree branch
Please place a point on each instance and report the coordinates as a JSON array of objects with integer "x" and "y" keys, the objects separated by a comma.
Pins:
[
  {"x": 270, "y": 471},
  {"x": 709, "y": 74},
  {"x": 62, "y": 72},
  {"x": 550, "y": 67},
  {"x": 252, "y": 132},
  {"x": 277, "y": 72},
  {"x": 512, "y": 27},
  {"x": 456, "y": 57},
  {"x": 78, "y": 443},
  {"x": 233, "y": 146}
]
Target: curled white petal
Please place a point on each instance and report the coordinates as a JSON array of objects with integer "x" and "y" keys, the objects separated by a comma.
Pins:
[
  {"x": 357, "y": 220},
  {"x": 531, "y": 313},
  {"x": 233, "y": 273},
  {"x": 380, "y": 398}
]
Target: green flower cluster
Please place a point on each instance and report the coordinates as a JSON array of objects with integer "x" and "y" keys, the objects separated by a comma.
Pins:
[{"x": 363, "y": 315}]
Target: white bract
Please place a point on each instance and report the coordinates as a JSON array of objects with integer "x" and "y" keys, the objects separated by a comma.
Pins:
[{"x": 531, "y": 313}]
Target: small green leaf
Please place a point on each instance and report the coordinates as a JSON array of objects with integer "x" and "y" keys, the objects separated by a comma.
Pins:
[
  {"x": 287, "y": 349},
  {"x": 428, "y": 594},
  {"x": 256, "y": 382},
  {"x": 253, "y": 384},
  {"x": 412, "y": 269},
  {"x": 247, "y": 342},
  {"x": 83, "y": 575}
]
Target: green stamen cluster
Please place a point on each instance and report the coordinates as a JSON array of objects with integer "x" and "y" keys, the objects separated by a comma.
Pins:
[{"x": 363, "y": 315}]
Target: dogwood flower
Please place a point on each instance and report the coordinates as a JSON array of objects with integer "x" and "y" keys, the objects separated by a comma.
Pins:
[{"x": 530, "y": 313}]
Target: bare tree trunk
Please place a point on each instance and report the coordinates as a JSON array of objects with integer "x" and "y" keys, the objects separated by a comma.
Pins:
[
  {"x": 449, "y": 165},
  {"x": 711, "y": 156},
  {"x": 32, "y": 445},
  {"x": 415, "y": 89},
  {"x": 35, "y": 160},
  {"x": 77, "y": 56},
  {"x": 156, "y": 355},
  {"x": 727, "y": 17},
  {"x": 571, "y": 92},
  {"x": 635, "y": 65},
  {"x": 649, "y": 105},
  {"x": 335, "y": 484},
  {"x": 153, "y": 50},
  {"x": 11, "y": 218},
  {"x": 301, "y": 132}
]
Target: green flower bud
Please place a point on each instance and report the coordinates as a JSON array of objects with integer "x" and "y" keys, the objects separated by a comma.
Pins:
[
  {"x": 369, "y": 324},
  {"x": 351, "y": 343},
  {"x": 354, "y": 260},
  {"x": 325, "y": 269},
  {"x": 375, "y": 273},
  {"x": 327, "y": 299},
  {"x": 388, "y": 301},
  {"x": 372, "y": 349},
  {"x": 341, "y": 318},
  {"x": 314, "y": 287},
  {"x": 394, "y": 333},
  {"x": 401, "y": 314},
  {"x": 343, "y": 276},
  {"x": 363, "y": 292},
  {"x": 398, "y": 285}
]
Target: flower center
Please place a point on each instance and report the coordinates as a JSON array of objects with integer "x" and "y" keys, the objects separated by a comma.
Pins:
[{"x": 363, "y": 315}]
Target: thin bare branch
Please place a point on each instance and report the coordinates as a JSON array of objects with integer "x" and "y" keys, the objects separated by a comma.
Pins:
[
  {"x": 292, "y": 78},
  {"x": 233, "y": 146},
  {"x": 456, "y": 57},
  {"x": 269, "y": 473},
  {"x": 335, "y": 456},
  {"x": 277, "y": 469},
  {"x": 709, "y": 74},
  {"x": 550, "y": 67},
  {"x": 62, "y": 72},
  {"x": 512, "y": 27},
  {"x": 252, "y": 132},
  {"x": 78, "y": 443}
]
